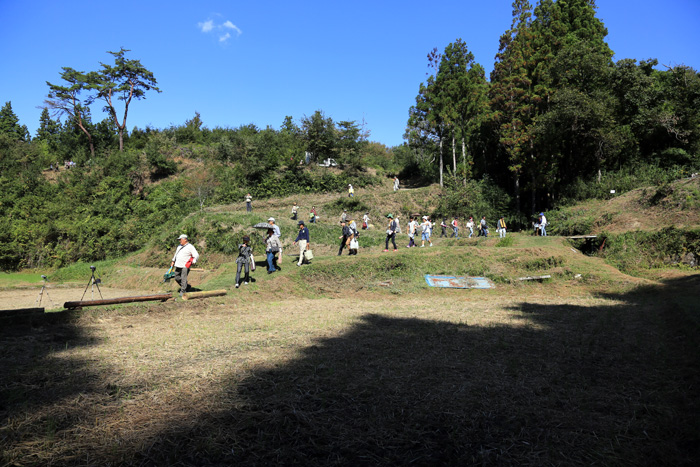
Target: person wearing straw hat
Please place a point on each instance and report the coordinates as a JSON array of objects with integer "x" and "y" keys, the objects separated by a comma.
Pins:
[{"x": 185, "y": 256}]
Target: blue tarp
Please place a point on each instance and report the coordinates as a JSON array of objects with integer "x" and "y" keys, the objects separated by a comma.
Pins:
[{"x": 457, "y": 282}]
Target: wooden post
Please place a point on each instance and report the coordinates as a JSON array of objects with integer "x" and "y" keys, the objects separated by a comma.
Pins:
[
  {"x": 114, "y": 301},
  {"x": 209, "y": 293}
]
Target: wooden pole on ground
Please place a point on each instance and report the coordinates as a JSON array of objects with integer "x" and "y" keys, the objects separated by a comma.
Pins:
[
  {"x": 209, "y": 293},
  {"x": 114, "y": 301}
]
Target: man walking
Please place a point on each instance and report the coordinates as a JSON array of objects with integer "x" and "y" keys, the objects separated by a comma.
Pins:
[
  {"x": 484, "y": 227},
  {"x": 501, "y": 228},
  {"x": 185, "y": 256},
  {"x": 455, "y": 228},
  {"x": 345, "y": 237},
  {"x": 303, "y": 241}
]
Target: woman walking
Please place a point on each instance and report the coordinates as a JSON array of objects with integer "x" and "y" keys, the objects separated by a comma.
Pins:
[
  {"x": 273, "y": 246},
  {"x": 243, "y": 261},
  {"x": 391, "y": 232}
]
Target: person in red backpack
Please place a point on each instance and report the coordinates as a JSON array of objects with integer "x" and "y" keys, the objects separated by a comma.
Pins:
[{"x": 185, "y": 256}]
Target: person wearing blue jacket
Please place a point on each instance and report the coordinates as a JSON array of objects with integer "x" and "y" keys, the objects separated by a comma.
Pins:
[{"x": 303, "y": 241}]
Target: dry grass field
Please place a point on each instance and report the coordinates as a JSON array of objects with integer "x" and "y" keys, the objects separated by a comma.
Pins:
[{"x": 536, "y": 374}]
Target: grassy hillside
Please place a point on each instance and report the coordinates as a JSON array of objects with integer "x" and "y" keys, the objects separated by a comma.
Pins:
[{"x": 354, "y": 360}]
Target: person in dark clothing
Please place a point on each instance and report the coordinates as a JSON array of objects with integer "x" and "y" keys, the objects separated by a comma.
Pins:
[
  {"x": 303, "y": 241},
  {"x": 443, "y": 226},
  {"x": 345, "y": 237},
  {"x": 391, "y": 233},
  {"x": 243, "y": 261}
]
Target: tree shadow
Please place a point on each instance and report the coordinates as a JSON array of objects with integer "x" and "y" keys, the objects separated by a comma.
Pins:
[
  {"x": 34, "y": 377},
  {"x": 606, "y": 384},
  {"x": 612, "y": 383}
]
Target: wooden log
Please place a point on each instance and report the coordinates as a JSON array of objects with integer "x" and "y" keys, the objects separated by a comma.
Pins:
[
  {"x": 534, "y": 278},
  {"x": 208, "y": 293},
  {"x": 114, "y": 301}
]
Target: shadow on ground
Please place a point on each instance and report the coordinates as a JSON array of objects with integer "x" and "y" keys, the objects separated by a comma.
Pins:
[
  {"x": 612, "y": 385},
  {"x": 572, "y": 385}
]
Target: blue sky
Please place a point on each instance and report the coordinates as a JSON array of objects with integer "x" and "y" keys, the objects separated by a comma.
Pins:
[{"x": 240, "y": 62}]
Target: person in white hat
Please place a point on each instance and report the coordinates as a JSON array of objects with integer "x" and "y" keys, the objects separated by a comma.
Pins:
[
  {"x": 274, "y": 226},
  {"x": 426, "y": 230},
  {"x": 185, "y": 256}
]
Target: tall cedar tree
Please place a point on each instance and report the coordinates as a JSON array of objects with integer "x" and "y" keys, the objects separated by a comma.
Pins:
[
  {"x": 512, "y": 93},
  {"x": 461, "y": 86}
]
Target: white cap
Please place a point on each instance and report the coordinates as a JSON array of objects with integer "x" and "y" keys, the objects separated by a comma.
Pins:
[
  {"x": 271, "y": 219},
  {"x": 182, "y": 236},
  {"x": 425, "y": 217}
]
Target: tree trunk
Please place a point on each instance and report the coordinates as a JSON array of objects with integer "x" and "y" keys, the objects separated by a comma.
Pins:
[
  {"x": 533, "y": 194},
  {"x": 441, "y": 168},
  {"x": 454, "y": 157},
  {"x": 121, "y": 140},
  {"x": 517, "y": 192},
  {"x": 464, "y": 161}
]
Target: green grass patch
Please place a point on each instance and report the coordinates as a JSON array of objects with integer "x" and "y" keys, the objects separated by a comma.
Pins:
[{"x": 15, "y": 279}]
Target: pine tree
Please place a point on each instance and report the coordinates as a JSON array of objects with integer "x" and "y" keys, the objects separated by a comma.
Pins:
[{"x": 9, "y": 124}]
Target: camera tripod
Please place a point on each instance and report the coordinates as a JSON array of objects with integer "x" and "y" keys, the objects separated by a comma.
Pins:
[
  {"x": 40, "y": 297},
  {"x": 95, "y": 282}
]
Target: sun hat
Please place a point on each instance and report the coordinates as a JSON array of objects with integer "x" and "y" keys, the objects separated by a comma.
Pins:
[
  {"x": 425, "y": 217},
  {"x": 271, "y": 219},
  {"x": 182, "y": 236},
  {"x": 301, "y": 223},
  {"x": 390, "y": 216}
]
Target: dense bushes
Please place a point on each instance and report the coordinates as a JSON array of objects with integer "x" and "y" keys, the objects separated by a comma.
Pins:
[{"x": 638, "y": 250}]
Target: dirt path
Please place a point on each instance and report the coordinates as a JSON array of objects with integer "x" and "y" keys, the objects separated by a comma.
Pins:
[{"x": 55, "y": 297}]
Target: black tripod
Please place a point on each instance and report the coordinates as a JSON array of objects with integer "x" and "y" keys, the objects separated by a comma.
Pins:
[
  {"x": 95, "y": 282},
  {"x": 40, "y": 297}
]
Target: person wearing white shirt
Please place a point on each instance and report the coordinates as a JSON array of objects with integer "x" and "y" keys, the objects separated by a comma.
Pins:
[
  {"x": 185, "y": 256},
  {"x": 543, "y": 225},
  {"x": 426, "y": 230}
]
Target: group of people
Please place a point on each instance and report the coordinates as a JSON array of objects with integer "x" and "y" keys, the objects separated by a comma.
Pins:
[
  {"x": 393, "y": 228},
  {"x": 482, "y": 228},
  {"x": 186, "y": 254}
]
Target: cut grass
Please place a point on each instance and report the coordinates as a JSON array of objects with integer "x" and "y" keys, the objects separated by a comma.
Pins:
[{"x": 477, "y": 377}]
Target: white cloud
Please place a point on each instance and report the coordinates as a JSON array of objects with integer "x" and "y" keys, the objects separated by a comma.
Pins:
[
  {"x": 230, "y": 25},
  {"x": 206, "y": 26},
  {"x": 220, "y": 29}
]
